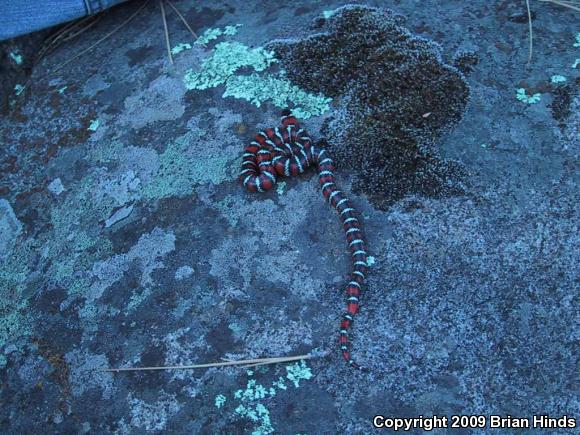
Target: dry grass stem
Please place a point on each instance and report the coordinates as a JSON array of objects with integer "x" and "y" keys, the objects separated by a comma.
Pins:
[
  {"x": 570, "y": 4},
  {"x": 166, "y": 30},
  {"x": 182, "y": 18},
  {"x": 243, "y": 363}
]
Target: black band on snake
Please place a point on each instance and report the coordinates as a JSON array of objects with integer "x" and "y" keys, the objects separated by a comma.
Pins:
[{"x": 288, "y": 151}]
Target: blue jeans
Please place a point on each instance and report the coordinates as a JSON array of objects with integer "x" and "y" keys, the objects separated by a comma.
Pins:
[{"x": 18, "y": 17}]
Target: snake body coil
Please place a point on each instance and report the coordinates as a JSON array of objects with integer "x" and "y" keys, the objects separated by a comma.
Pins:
[{"x": 288, "y": 151}]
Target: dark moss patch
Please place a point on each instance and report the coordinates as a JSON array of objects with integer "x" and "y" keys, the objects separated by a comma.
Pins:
[
  {"x": 563, "y": 96},
  {"x": 394, "y": 98},
  {"x": 465, "y": 61}
]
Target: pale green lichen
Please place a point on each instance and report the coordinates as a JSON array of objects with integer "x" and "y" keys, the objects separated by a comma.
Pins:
[
  {"x": 576, "y": 63},
  {"x": 253, "y": 391},
  {"x": 14, "y": 321},
  {"x": 524, "y": 98},
  {"x": 280, "y": 187},
  {"x": 370, "y": 260},
  {"x": 557, "y": 79},
  {"x": 18, "y": 89},
  {"x": 279, "y": 91},
  {"x": 231, "y": 30},
  {"x": 72, "y": 252},
  {"x": 577, "y": 43},
  {"x": 61, "y": 90},
  {"x": 14, "y": 272},
  {"x": 229, "y": 57},
  {"x": 251, "y": 407},
  {"x": 181, "y": 168},
  {"x": 82, "y": 241},
  {"x": 68, "y": 254},
  {"x": 94, "y": 124},
  {"x": 180, "y": 47},
  {"x": 220, "y": 400},
  {"x": 16, "y": 57},
  {"x": 328, "y": 14},
  {"x": 298, "y": 372},
  {"x": 280, "y": 384},
  {"x": 207, "y": 36},
  {"x": 212, "y": 34},
  {"x": 63, "y": 269},
  {"x": 226, "y": 59},
  {"x": 251, "y": 399}
]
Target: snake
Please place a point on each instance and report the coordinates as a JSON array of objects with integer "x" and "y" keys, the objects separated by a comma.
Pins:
[{"x": 288, "y": 151}]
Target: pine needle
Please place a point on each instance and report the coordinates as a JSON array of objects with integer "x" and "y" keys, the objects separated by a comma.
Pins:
[
  {"x": 530, "y": 30},
  {"x": 124, "y": 23},
  {"x": 182, "y": 19},
  {"x": 243, "y": 363},
  {"x": 166, "y": 31},
  {"x": 64, "y": 34},
  {"x": 570, "y": 4}
]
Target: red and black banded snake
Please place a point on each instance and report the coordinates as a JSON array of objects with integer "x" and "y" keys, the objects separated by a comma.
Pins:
[{"x": 288, "y": 151}]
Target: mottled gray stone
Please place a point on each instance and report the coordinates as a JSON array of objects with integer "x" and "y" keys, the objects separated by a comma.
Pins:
[
  {"x": 471, "y": 303},
  {"x": 10, "y": 228}
]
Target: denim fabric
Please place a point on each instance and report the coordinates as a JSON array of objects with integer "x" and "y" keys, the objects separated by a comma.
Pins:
[{"x": 18, "y": 17}]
